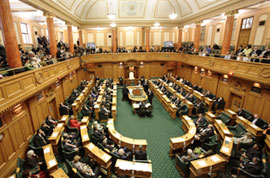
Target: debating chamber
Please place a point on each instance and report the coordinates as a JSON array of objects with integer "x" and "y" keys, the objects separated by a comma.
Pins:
[{"x": 135, "y": 88}]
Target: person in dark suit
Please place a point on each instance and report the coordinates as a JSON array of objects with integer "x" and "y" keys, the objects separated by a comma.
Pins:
[
  {"x": 40, "y": 139},
  {"x": 204, "y": 134},
  {"x": 240, "y": 112},
  {"x": 121, "y": 81},
  {"x": 256, "y": 52},
  {"x": 142, "y": 109},
  {"x": 253, "y": 167},
  {"x": 255, "y": 151},
  {"x": 200, "y": 121},
  {"x": 104, "y": 113},
  {"x": 140, "y": 154},
  {"x": 46, "y": 129},
  {"x": 31, "y": 160},
  {"x": 240, "y": 50},
  {"x": 150, "y": 96},
  {"x": 125, "y": 93}
]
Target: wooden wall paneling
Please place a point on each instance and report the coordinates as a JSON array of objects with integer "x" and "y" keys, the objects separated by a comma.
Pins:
[
  {"x": 44, "y": 109},
  {"x": 7, "y": 145},
  {"x": 26, "y": 126},
  {"x": 157, "y": 69},
  {"x": 196, "y": 78},
  {"x": 107, "y": 70},
  {"x": 65, "y": 87},
  {"x": 34, "y": 112},
  {"x": 210, "y": 83},
  {"x": 224, "y": 91},
  {"x": 265, "y": 111},
  {"x": 116, "y": 71},
  {"x": 75, "y": 82},
  {"x": 185, "y": 71},
  {"x": 252, "y": 102}
]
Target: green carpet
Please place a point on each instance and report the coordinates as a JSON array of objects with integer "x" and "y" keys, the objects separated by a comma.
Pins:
[{"x": 156, "y": 130}]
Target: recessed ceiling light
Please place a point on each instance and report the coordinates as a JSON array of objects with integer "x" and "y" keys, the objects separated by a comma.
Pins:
[
  {"x": 156, "y": 24},
  {"x": 113, "y": 24},
  {"x": 173, "y": 16}
]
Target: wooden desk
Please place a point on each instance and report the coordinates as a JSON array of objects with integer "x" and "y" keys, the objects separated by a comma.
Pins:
[
  {"x": 252, "y": 128},
  {"x": 133, "y": 169},
  {"x": 98, "y": 155},
  {"x": 12, "y": 176},
  {"x": 209, "y": 102},
  {"x": 96, "y": 107},
  {"x": 210, "y": 164},
  {"x": 49, "y": 157},
  {"x": 84, "y": 135},
  {"x": 222, "y": 129},
  {"x": 226, "y": 148},
  {"x": 64, "y": 119},
  {"x": 57, "y": 132},
  {"x": 114, "y": 112},
  {"x": 210, "y": 117},
  {"x": 198, "y": 95},
  {"x": 188, "y": 89},
  {"x": 130, "y": 143},
  {"x": 143, "y": 96},
  {"x": 232, "y": 115},
  {"x": 59, "y": 173},
  {"x": 180, "y": 143},
  {"x": 85, "y": 120}
]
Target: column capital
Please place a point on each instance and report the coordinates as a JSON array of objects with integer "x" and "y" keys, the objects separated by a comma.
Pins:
[
  {"x": 180, "y": 27},
  {"x": 68, "y": 24},
  {"x": 231, "y": 13},
  {"x": 79, "y": 29},
  {"x": 48, "y": 14},
  {"x": 198, "y": 22},
  {"x": 114, "y": 28},
  {"x": 146, "y": 28}
]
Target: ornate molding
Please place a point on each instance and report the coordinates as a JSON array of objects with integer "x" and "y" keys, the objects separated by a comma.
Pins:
[{"x": 265, "y": 73}]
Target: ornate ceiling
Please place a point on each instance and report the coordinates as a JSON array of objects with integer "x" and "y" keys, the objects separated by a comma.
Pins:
[{"x": 93, "y": 12}]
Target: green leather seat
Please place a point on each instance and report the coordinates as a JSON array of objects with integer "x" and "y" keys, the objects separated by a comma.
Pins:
[
  {"x": 212, "y": 144},
  {"x": 238, "y": 130},
  {"x": 225, "y": 118},
  {"x": 67, "y": 155}
]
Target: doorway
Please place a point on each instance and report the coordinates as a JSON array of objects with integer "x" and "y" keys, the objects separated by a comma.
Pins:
[
  {"x": 53, "y": 109},
  {"x": 170, "y": 73},
  {"x": 236, "y": 102}
]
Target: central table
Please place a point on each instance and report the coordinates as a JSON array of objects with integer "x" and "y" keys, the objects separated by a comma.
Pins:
[{"x": 136, "y": 94}]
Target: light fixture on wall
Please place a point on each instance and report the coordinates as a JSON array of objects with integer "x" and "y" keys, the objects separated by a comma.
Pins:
[
  {"x": 113, "y": 24},
  {"x": 156, "y": 24},
  {"x": 257, "y": 85},
  {"x": 173, "y": 16}
]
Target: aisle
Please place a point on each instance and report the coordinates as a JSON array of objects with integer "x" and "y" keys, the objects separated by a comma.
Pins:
[{"x": 156, "y": 131}]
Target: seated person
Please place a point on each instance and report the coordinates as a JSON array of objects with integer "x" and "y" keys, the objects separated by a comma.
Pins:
[
  {"x": 246, "y": 138},
  {"x": 190, "y": 155},
  {"x": 31, "y": 160},
  {"x": 104, "y": 112},
  {"x": 46, "y": 129},
  {"x": 85, "y": 110},
  {"x": 253, "y": 167},
  {"x": 84, "y": 169},
  {"x": 63, "y": 109},
  {"x": 123, "y": 153},
  {"x": 200, "y": 121},
  {"x": 74, "y": 123},
  {"x": 255, "y": 151},
  {"x": 140, "y": 154},
  {"x": 142, "y": 109},
  {"x": 40, "y": 139},
  {"x": 70, "y": 145},
  {"x": 258, "y": 121},
  {"x": 240, "y": 112},
  {"x": 28, "y": 174},
  {"x": 51, "y": 122},
  {"x": 98, "y": 134},
  {"x": 107, "y": 143},
  {"x": 204, "y": 134}
]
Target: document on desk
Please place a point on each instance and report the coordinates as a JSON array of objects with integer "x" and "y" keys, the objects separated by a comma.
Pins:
[
  {"x": 225, "y": 149},
  {"x": 85, "y": 137},
  {"x": 202, "y": 163},
  {"x": 52, "y": 163},
  {"x": 55, "y": 134},
  {"x": 215, "y": 158},
  {"x": 47, "y": 150}
]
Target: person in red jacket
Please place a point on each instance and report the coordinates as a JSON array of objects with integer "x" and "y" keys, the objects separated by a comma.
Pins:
[{"x": 74, "y": 123}]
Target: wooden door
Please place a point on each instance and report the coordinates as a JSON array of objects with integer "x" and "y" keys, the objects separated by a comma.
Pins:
[
  {"x": 170, "y": 73},
  {"x": 53, "y": 109},
  {"x": 236, "y": 102},
  {"x": 243, "y": 38}
]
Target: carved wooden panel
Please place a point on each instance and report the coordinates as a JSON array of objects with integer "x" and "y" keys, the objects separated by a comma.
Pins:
[
  {"x": 28, "y": 82},
  {"x": 13, "y": 88},
  {"x": 266, "y": 110},
  {"x": 252, "y": 102}
]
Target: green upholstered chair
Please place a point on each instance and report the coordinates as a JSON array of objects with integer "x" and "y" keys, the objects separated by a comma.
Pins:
[
  {"x": 212, "y": 144},
  {"x": 247, "y": 114},
  {"x": 72, "y": 172},
  {"x": 238, "y": 130},
  {"x": 20, "y": 167},
  {"x": 243, "y": 173},
  {"x": 37, "y": 150},
  {"x": 224, "y": 117}
]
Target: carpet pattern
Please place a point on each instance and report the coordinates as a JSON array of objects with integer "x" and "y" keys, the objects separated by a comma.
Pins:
[{"x": 156, "y": 130}]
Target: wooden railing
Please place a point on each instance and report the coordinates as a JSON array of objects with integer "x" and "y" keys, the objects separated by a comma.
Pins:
[{"x": 19, "y": 87}]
